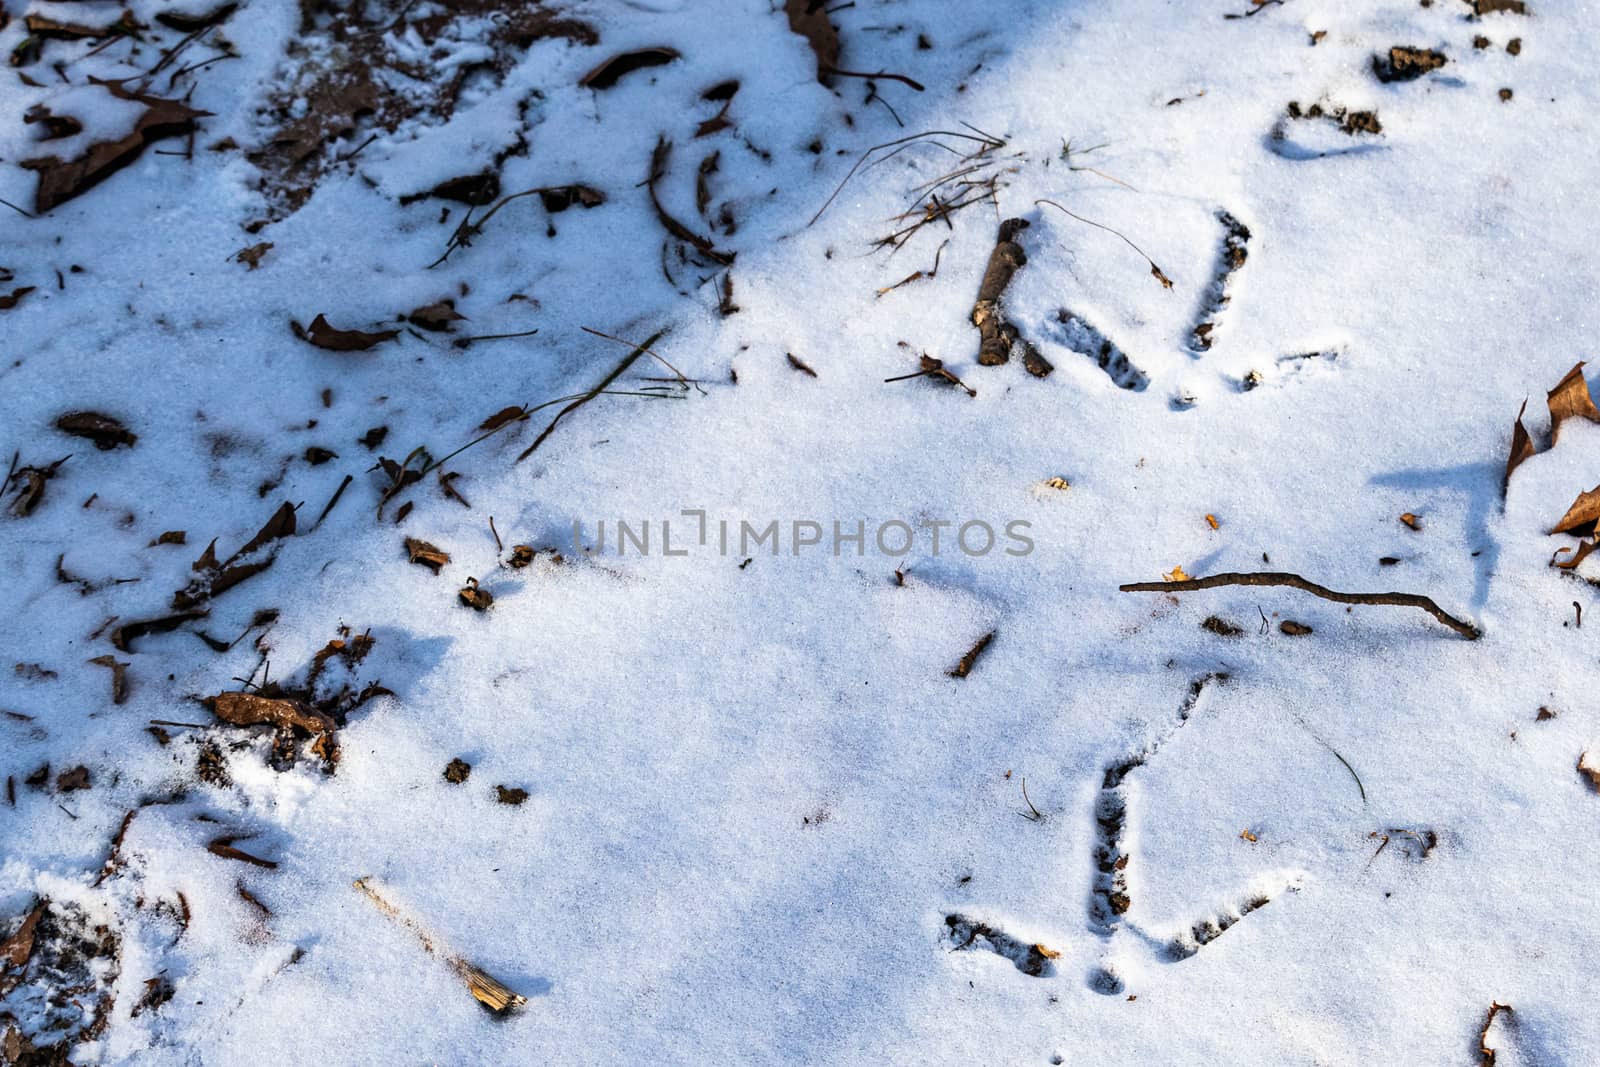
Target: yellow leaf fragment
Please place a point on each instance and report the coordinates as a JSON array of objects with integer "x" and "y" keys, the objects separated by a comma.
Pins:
[
  {"x": 1248, "y": 836},
  {"x": 1212, "y": 521},
  {"x": 1047, "y": 952},
  {"x": 1175, "y": 575}
]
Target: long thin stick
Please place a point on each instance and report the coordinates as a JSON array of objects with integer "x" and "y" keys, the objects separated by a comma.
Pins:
[
  {"x": 618, "y": 371},
  {"x": 1155, "y": 271},
  {"x": 1294, "y": 581}
]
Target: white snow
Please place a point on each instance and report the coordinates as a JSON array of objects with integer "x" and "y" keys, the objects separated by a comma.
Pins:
[{"x": 755, "y": 792}]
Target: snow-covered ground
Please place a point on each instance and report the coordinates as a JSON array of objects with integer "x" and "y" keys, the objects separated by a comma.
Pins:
[{"x": 733, "y": 805}]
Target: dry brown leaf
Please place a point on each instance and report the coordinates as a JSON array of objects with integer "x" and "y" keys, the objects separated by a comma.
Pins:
[
  {"x": 1581, "y": 516},
  {"x": 1294, "y": 629},
  {"x": 614, "y": 69},
  {"x": 1211, "y": 520},
  {"x": 425, "y": 554},
  {"x": 439, "y": 316},
  {"x": 475, "y": 598},
  {"x": 251, "y": 257},
  {"x": 61, "y": 180},
  {"x": 1521, "y": 448},
  {"x": 1589, "y": 771},
  {"x": 106, "y": 432},
  {"x": 1411, "y": 520},
  {"x": 119, "y": 676},
  {"x": 501, "y": 417},
  {"x": 1570, "y": 399},
  {"x": 1578, "y": 557},
  {"x": 223, "y": 846},
  {"x": 1046, "y": 951},
  {"x": 809, "y": 18},
  {"x": 16, "y": 949},
  {"x": 248, "y": 709},
  {"x": 321, "y": 334}
]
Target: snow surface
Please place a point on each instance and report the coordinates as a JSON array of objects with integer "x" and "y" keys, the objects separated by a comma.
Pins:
[{"x": 755, "y": 791}]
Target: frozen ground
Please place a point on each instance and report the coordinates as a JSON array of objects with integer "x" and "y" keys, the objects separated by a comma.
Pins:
[{"x": 763, "y": 822}]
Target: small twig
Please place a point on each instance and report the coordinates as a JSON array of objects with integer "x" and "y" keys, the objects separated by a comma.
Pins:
[
  {"x": 499, "y": 546},
  {"x": 1036, "y": 815},
  {"x": 616, "y": 372},
  {"x": 484, "y": 988},
  {"x": 463, "y": 342},
  {"x": 337, "y": 493},
  {"x": 1155, "y": 271},
  {"x": 964, "y": 668},
  {"x": 1294, "y": 581},
  {"x": 989, "y": 143},
  {"x": 684, "y": 382},
  {"x": 918, "y": 86},
  {"x": 1579, "y": 609}
]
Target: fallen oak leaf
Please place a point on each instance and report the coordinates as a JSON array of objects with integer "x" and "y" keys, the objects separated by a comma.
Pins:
[
  {"x": 1570, "y": 399},
  {"x": 1581, "y": 516},
  {"x": 323, "y": 335},
  {"x": 60, "y": 181}
]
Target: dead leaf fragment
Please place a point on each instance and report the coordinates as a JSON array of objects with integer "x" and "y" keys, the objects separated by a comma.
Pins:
[
  {"x": 119, "y": 676},
  {"x": 1175, "y": 575},
  {"x": 1521, "y": 448},
  {"x": 1570, "y": 399},
  {"x": 171, "y": 537},
  {"x": 18, "y": 948},
  {"x": 1411, "y": 521},
  {"x": 425, "y": 554},
  {"x": 457, "y": 771},
  {"x": 809, "y": 18},
  {"x": 9, "y": 302},
  {"x": 439, "y": 316},
  {"x": 1211, "y": 520},
  {"x": 248, "y": 709},
  {"x": 1248, "y": 836},
  {"x": 475, "y": 598},
  {"x": 61, "y": 180},
  {"x": 223, "y": 846},
  {"x": 72, "y": 780},
  {"x": 1589, "y": 771},
  {"x": 251, "y": 257},
  {"x": 502, "y": 417},
  {"x": 614, "y": 69},
  {"x": 1581, "y": 516},
  {"x": 1294, "y": 629},
  {"x": 106, "y": 432},
  {"x": 1046, "y": 951},
  {"x": 512, "y": 797},
  {"x": 321, "y": 334}
]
